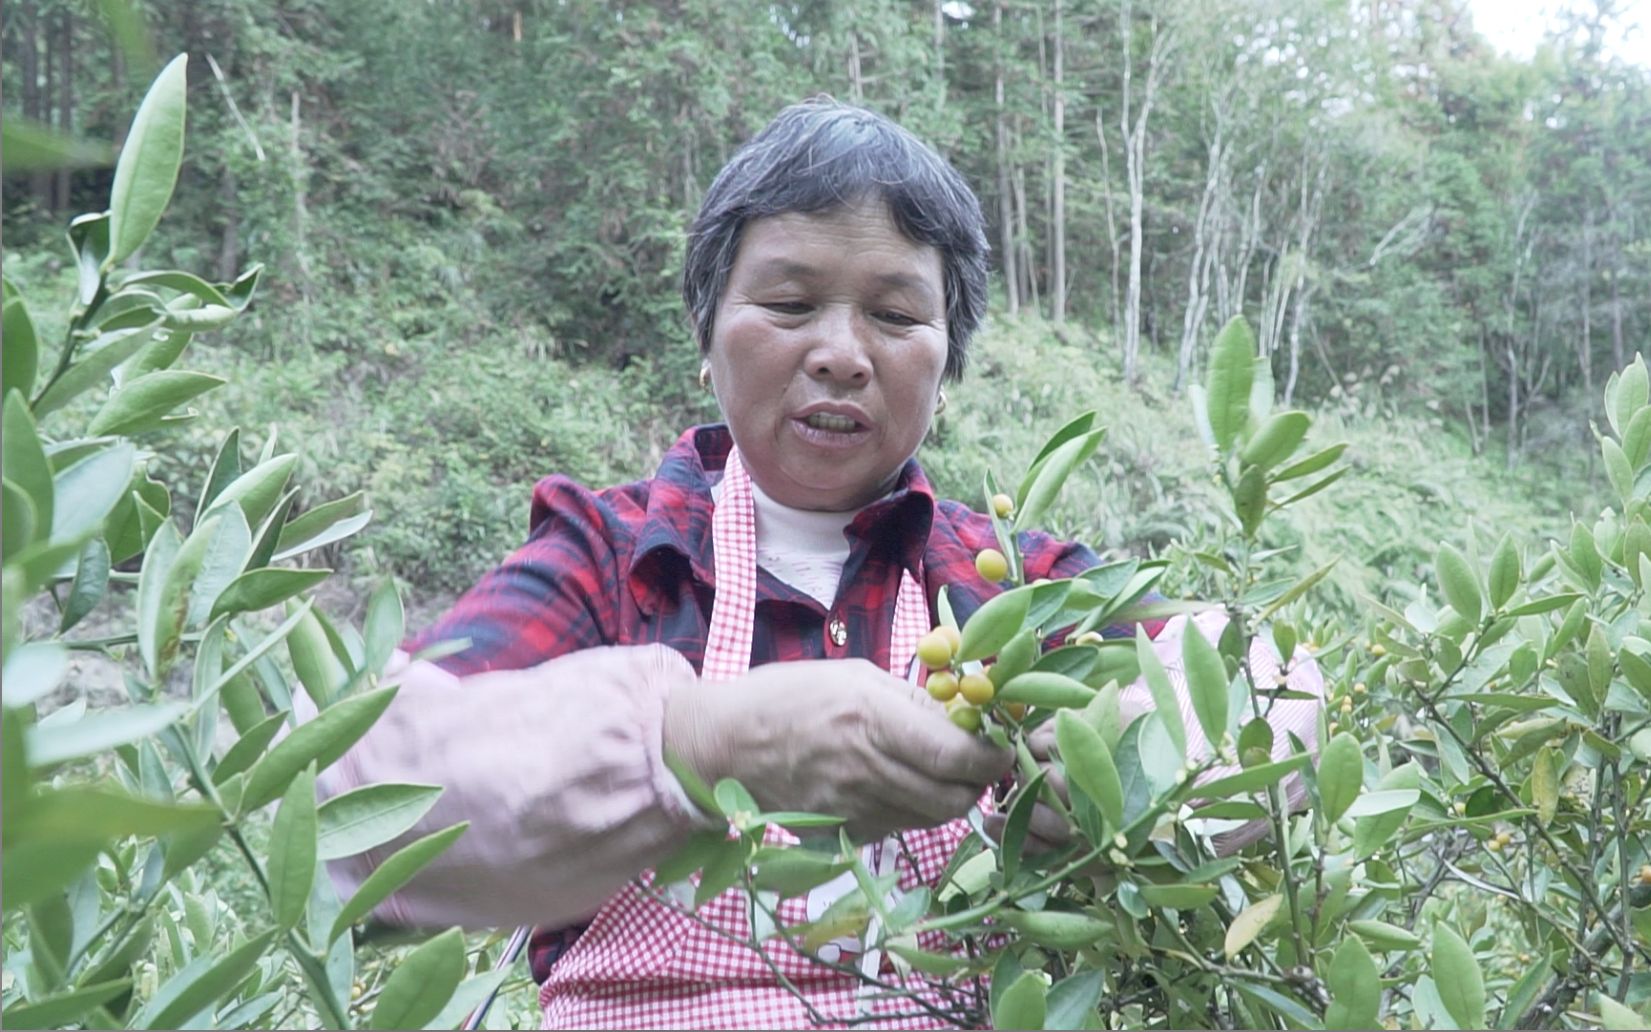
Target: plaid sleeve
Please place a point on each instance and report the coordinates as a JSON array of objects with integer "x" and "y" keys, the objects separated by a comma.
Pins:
[{"x": 556, "y": 594}]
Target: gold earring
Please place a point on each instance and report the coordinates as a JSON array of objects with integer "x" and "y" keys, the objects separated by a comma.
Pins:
[
  {"x": 940, "y": 406},
  {"x": 704, "y": 377}
]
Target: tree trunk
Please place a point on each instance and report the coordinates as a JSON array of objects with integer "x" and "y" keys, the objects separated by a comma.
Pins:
[
  {"x": 66, "y": 102},
  {"x": 856, "y": 84},
  {"x": 1618, "y": 356},
  {"x": 1028, "y": 272},
  {"x": 1198, "y": 270},
  {"x": 1135, "y": 169},
  {"x": 41, "y": 182},
  {"x": 1005, "y": 205},
  {"x": 300, "y": 222},
  {"x": 1513, "y": 408},
  {"x": 229, "y": 247},
  {"x": 940, "y": 54},
  {"x": 1112, "y": 238},
  {"x": 1057, "y": 215},
  {"x": 1585, "y": 346}
]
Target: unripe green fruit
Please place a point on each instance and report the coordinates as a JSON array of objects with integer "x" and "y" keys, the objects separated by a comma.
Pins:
[
  {"x": 1003, "y": 505},
  {"x": 992, "y": 565},
  {"x": 966, "y": 717},
  {"x": 977, "y": 688},
  {"x": 942, "y": 685}
]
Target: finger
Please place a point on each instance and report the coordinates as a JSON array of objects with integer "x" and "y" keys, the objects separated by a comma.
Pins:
[
  {"x": 924, "y": 739},
  {"x": 1042, "y": 740},
  {"x": 1056, "y": 781}
]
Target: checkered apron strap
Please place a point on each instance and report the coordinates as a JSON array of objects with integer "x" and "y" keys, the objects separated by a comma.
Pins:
[
  {"x": 681, "y": 975},
  {"x": 733, "y": 614}
]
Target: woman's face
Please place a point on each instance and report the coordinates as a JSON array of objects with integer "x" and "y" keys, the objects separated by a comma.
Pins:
[{"x": 827, "y": 352}]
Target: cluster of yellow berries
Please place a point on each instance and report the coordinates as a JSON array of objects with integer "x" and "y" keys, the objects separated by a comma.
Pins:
[
  {"x": 1499, "y": 841},
  {"x": 963, "y": 695}
]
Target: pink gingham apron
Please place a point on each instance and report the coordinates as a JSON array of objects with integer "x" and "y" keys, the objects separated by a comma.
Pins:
[{"x": 642, "y": 965}]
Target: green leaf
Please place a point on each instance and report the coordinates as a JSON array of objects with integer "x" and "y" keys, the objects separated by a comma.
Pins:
[
  {"x": 1340, "y": 776},
  {"x": 996, "y": 622},
  {"x": 148, "y": 166},
  {"x": 89, "y": 237},
  {"x": 1384, "y": 936},
  {"x": 1374, "y": 804},
  {"x": 20, "y": 522},
  {"x": 384, "y": 626},
  {"x": 1021, "y": 1005},
  {"x": 1177, "y": 897},
  {"x": 1250, "y": 499},
  {"x": 99, "y": 731},
  {"x": 260, "y": 589},
  {"x": 1629, "y": 395},
  {"x": 1601, "y": 661},
  {"x": 292, "y": 851},
  {"x": 1231, "y": 374},
  {"x": 163, "y": 612},
  {"x": 1207, "y": 683},
  {"x": 182, "y": 282},
  {"x": 1252, "y": 779},
  {"x": 32, "y": 670},
  {"x": 142, "y": 404},
  {"x": 64, "y": 1008},
  {"x": 247, "y": 748},
  {"x": 1165, "y": 705},
  {"x": 1585, "y": 555},
  {"x": 1089, "y": 765},
  {"x": 1613, "y": 1015},
  {"x": 201, "y": 983},
  {"x": 24, "y": 459},
  {"x": 223, "y": 554},
  {"x": 420, "y": 985},
  {"x": 1276, "y": 440},
  {"x": 794, "y": 871},
  {"x": 32, "y": 871},
  {"x": 84, "y": 493},
  {"x": 1355, "y": 988},
  {"x": 320, "y": 741},
  {"x": 1072, "y": 1000},
  {"x": 255, "y": 654},
  {"x": 258, "y": 489},
  {"x": 1617, "y": 468},
  {"x": 1296, "y": 590},
  {"x": 1544, "y": 783},
  {"x": 1636, "y": 439},
  {"x": 1049, "y": 690},
  {"x": 1051, "y": 475},
  {"x": 322, "y": 525},
  {"x": 725, "y": 867},
  {"x": 1457, "y": 977},
  {"x": 1311, "y": 464},
  {"x": 96, "y": 360},
  {"x": 392, "y": 874},
  {"x": 1505, "y": 572},
  {"x": 1250, "y": 923},
  {"x": 1458, "y": 583},
  {"x": 370, "y": 816},
  {"x": 90, "y": 583},
  {"x": 470, "y": 994},
  {"x": 1018, "y": 823}
]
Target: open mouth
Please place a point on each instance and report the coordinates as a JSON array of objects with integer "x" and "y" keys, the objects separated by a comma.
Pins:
[{"x": 831, "y": 422}]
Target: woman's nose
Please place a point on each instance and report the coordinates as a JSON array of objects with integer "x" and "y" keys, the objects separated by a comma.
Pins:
[{"x": 839, "y": 354}]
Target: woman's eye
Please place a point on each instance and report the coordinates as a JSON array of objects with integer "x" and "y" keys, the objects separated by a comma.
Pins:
[
  {"x": 896, "y": 318},
  {"x": 786, "y": 307}
]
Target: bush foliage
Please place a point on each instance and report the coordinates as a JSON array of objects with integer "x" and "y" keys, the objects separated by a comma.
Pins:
[{"x": 1472, "y": 852}]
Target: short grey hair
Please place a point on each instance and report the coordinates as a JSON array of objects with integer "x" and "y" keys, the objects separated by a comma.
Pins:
[{"x": 820, "y": 155}]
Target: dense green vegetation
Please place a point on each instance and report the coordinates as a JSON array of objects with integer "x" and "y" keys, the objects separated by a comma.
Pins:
[{"x": 470, "y": 215}]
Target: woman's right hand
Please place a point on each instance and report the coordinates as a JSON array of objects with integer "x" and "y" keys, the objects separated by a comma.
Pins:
[{"x": 840, "y": 737}]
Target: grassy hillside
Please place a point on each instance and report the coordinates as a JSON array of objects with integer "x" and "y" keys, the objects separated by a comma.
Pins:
[{"x": 446, "y": 429}]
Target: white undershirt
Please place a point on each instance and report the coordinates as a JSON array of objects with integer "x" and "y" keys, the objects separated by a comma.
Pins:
[{"x": 802, "y": 548}]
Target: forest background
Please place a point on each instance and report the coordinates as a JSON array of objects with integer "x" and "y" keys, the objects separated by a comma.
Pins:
[{"x": 471, "y": 215}]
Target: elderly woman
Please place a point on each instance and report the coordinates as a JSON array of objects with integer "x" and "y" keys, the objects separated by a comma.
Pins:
[{"x": 751, "y": 610}]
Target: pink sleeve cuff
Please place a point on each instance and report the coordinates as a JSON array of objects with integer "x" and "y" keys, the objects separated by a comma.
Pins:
[{"x": 558, "y": 768}]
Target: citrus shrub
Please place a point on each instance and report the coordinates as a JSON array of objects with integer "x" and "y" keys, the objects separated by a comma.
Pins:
[
  {"x": 110, "y": 812},
  {"x": 1470, "y": 845}
]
